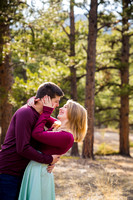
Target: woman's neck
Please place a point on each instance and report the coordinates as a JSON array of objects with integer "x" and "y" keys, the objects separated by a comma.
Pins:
[{"x": 64, "y": 126}]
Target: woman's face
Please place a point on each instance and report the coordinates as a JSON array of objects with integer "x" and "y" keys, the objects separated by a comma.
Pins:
[{"x": 62, "y": 113}]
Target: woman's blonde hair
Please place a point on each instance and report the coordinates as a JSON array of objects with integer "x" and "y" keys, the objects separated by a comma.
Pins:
[{"x": 77, "y": 120}]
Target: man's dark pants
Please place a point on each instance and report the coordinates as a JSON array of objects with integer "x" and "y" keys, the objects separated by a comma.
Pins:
[{"x": 9, "y": 187}]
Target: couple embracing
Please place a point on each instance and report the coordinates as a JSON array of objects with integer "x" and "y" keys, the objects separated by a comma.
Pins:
[{"x": 34, "y": 143}]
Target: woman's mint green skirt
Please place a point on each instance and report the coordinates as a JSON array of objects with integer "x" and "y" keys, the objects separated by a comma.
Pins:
[{"x": 37, "y": 183}]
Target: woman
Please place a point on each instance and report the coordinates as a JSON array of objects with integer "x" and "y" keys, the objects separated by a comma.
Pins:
[{"x": 37, "y": 183}]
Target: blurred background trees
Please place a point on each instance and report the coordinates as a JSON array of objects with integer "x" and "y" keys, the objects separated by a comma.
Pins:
[
  {"x": 89, "y": 56},
  {"x": 10, "y": 13}
]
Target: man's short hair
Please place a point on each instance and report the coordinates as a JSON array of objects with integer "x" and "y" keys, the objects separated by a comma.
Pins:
[{"x": 50, "y": 89}]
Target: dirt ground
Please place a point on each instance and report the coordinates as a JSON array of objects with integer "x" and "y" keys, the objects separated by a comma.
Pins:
[{"x": 105, "y": 178}]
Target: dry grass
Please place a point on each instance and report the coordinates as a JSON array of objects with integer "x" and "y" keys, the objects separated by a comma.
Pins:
[{"x": 105, "y": 178}]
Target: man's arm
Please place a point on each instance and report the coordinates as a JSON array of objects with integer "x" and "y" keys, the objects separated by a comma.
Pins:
[{"x": 23, "y": 128}]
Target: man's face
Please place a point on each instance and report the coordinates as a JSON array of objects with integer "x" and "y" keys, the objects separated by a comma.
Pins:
[{"x": 55, "y": 101}]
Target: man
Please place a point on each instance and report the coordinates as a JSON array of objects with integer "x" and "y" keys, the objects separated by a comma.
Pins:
[{"x": 17, "y": 150}]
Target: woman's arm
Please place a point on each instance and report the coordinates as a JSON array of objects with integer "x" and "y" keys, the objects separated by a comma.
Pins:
[
  {"x": 47, "y": 111},
  {"x": 50, "y": 121},
  {"x": 54, "y": 138}
]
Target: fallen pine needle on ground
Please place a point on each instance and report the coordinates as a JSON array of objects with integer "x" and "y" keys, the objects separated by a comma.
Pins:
[{"x": 105, "y": 178}]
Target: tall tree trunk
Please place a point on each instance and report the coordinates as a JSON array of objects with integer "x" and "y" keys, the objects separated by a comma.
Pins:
[
  {"x": 90, "y": 80},
  {"x": 124, "y": 74},
  {"x": 1, "y": 50},
  {"x": 6, "y": 81},
  {"x": 74, "y": 150},
  {"x": 10, "y": 13}
]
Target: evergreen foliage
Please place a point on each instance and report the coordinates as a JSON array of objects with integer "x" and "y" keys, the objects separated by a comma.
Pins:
[{"x": 40, "y": 52}]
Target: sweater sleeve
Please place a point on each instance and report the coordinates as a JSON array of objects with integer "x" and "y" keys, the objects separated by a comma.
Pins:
[
  {"x": 59, "y": 139},
  {"x": 47, "y": 111},
  {"x": 50, "y": 122},
  {"x": 23, "y": 131}
]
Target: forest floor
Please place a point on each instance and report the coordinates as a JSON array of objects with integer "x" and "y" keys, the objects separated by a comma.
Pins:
[{"x": 105, "y": 178}]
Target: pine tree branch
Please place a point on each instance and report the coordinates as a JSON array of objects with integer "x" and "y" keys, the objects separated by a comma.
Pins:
[
  {"x": 106, "y": 68},
  {"x": 84, "y": 48},
  {"x": 130, "y": 54},
  {"x": 107, "y": 120},
  {"x": 130, "y": 34},
  {"x": 79, "y": 77},
  {"x": 106, "y": 85},
  {"x": 82, "y": 6},
  {"x": 65, "y": 31},
  {"x": 105, "y": 52},
  {"x": 107, "y": 108},
  {"x": 117, "y": 29}
]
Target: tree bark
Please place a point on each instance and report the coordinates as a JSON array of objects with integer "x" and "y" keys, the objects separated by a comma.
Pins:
[
  {"x": 74, "y": 150},
  {"x": 8, "y": 17},
  {"x": 6, "y": 81},
  {"x": 124, "y": 74},
  {"x": 87, "y": 151},
  {"x": 6, "y": 107}
]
